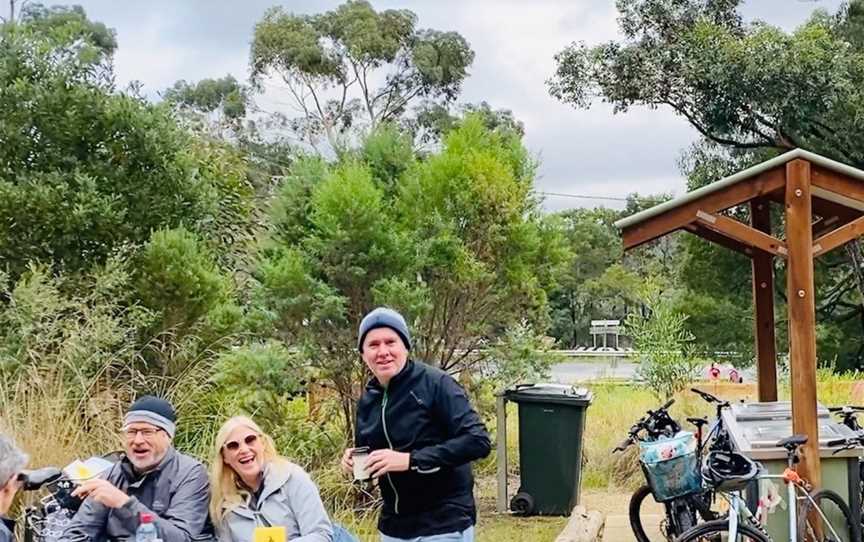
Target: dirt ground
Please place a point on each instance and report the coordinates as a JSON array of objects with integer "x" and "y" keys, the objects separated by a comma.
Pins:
[{"x": 611, "y": 503}]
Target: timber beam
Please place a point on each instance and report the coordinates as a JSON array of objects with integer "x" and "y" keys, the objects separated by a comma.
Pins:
[
  {"x": 719, "y": 239},
  {"x": 679, "y": 217},
  {"x": 841, "y": 189},
  {"x": 742, "y": 233},
  {"x": 838, "y": 237}
]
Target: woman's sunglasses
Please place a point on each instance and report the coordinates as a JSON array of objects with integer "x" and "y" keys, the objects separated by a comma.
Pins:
[{"x": 233, "y": 446}]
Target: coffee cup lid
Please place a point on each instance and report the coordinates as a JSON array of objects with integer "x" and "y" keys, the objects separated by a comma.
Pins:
[{"x": 361, "y": 450}]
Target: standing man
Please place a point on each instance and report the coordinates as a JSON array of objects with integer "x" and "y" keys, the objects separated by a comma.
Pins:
[
  {"x": 153, "y": 477},
  {"x": 424, "y": 435},
  {"x": 12, "y": 460}
]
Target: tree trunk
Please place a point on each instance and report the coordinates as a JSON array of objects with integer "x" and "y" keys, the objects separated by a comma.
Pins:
[{"x": 853, "y": 249}]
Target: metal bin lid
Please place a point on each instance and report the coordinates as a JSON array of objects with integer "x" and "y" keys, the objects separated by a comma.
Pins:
[{"x": 779, "y": 410}]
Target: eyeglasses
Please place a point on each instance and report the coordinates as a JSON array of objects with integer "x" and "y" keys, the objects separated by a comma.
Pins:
[
  {"x": 233, "y": 445},
  {"x": 147, "y": 433}
]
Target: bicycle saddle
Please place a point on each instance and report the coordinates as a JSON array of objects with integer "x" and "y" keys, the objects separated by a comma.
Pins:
[
  {"x": 698, "y": 422},
  {"x": 790, "y": 443}
]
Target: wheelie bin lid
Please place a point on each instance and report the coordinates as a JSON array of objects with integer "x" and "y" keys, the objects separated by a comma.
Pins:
[{"x": 549, "y": 393}]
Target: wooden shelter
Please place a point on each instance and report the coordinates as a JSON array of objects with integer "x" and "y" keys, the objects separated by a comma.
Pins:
[{"x": 823, "y": 205}]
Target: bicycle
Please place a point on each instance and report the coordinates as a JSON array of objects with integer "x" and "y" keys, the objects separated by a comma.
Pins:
[
  {"x": 45, "y": 522},
  {"x": 693, "y": 507},
  {"x": 849, "y": 417},
  {"x": 728, "y": 473},
  {"x": 684, "y": 505}
]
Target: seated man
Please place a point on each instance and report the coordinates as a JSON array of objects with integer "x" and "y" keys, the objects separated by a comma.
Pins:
[
  {"x": 12, "y": 460},
  {"x": 152, "y": 477}
]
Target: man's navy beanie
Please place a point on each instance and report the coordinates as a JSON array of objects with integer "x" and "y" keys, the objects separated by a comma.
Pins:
[
  {"x": 384, "y": 317},
  {"x": 154, "y": 411}
]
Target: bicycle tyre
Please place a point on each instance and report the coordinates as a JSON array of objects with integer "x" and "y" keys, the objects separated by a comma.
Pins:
[
  {"x": 717, "y": 530},
  {"x": 683, "y": 514},
  {"x": 852, "y": 525},
  {"x": 678, "y": 516},
  {"x": 634, "y": 512},
  {"x": 861, "y": 494}
]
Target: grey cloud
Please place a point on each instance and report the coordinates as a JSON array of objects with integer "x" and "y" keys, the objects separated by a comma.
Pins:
[{"x": 591, "y": 152}]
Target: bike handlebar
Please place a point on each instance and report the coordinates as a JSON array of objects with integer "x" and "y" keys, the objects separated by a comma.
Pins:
[
  {"x": 847, "y": 407},
  {"x": 624, "y": 445},
  {"x": 31, "y": 480},
  {"x": 706, "y": 396},
  {"x": 644, "y": 423}
]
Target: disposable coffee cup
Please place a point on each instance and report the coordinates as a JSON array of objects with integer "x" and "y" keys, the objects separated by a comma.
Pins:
[{"x": 359, "y": 457}]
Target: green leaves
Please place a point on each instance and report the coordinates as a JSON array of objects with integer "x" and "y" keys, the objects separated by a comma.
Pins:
[
  {"x": 85, "y": 170},
  {"x": 290, "y": 44},
  {"x": 177, "y": 275},
  {"x": 353, "y": 68},
  {"x": 454, "y": 241},
  {"x": 66, "y": 28},
  {"x": 209, "y": 95},
  {"x": 743, "y": 85},
  {"x": 441, "y": 60},
  {"x": 664, "y": 344},
  {"x": 371, "y": 38}
]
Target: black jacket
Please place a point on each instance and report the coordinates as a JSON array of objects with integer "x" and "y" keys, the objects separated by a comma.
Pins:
[{"x": 425, "y": 412}]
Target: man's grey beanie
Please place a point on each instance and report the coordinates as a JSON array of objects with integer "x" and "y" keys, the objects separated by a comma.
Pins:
[
  {"x": 153, "y": 410},
  {"x": 384, "y": 317}
]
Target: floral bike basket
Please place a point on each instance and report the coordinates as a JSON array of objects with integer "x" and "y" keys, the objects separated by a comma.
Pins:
[{"x": 671, "y": 466}]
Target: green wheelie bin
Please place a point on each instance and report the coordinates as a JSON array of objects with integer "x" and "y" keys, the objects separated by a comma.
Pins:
[{"x": 551, "y": 428}]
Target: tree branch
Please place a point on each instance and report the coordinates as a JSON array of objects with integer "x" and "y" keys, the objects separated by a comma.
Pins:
[
  {"x": 385, "y": 114},
  {"x": 717, "y": 139}
]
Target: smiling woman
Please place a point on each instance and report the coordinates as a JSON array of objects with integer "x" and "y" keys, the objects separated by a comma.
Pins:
[{"x": 253, "y": 488}]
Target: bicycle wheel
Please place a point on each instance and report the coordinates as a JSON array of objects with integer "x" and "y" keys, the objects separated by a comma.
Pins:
[
  {"x": 861, "y": 494},
  {"x": 647, "y": 516},
  {"x": 718, "y": 531},
  {"x": 836, "y": 518},
  {"x": 651, "y": 521}
]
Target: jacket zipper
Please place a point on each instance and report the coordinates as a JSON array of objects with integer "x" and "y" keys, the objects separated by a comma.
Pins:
[{"x": 390, "y": 444}]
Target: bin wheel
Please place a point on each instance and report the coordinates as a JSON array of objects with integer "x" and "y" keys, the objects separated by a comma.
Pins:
[{"x": 522, "y": 504}]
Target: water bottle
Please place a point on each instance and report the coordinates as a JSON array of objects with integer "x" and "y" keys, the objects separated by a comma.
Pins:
[{"x": 146, "y": 529}]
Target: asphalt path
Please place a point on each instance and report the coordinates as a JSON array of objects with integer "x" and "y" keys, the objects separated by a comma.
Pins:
[{"x": 586, "y": 370}]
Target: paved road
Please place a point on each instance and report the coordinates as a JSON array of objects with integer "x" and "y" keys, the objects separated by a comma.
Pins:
[
  {"x": 575, "y": 371},
  {"x": 580, "y": 371}
]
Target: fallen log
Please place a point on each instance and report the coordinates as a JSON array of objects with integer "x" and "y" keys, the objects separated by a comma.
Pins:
[{"x": 583, "y": 526}]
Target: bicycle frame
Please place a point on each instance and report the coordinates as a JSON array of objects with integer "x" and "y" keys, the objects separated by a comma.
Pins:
[{"x": 794, "y": 484}]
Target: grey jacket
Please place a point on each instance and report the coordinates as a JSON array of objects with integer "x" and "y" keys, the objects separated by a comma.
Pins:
[
  {"x": 290, "y": 499},
  {"x": 7, "y": 525},
  {"x": 177, "y": 491}
]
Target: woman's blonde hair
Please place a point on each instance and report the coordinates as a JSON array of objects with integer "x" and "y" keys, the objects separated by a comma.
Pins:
[{"x": 225, "y": 485}]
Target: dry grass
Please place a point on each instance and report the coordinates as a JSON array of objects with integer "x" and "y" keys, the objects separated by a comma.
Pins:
[
  {"x": 57, "y": 416},
  {"x": 56, "y": 419},
  {"x": 617, "y": 406}
]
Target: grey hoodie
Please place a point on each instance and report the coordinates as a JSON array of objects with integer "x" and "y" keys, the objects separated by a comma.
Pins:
[
  {"x": 289, "y": 498},
  {"x": 178, "y": 492}
]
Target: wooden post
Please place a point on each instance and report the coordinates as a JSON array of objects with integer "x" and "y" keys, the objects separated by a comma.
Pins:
[
  {"x": 802, "y": 315},
  {"x": 763, "y": 300},
  {"x": 501, "y": 454}
]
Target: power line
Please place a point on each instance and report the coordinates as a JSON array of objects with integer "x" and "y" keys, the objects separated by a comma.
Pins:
[{"x": 580, "y": 196}]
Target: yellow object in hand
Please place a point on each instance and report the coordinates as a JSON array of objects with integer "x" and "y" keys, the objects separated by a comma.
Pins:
[{"x": 270, "y": 534}]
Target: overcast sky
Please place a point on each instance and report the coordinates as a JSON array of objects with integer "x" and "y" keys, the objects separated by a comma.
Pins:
[{"x": 590, "y": 152}]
